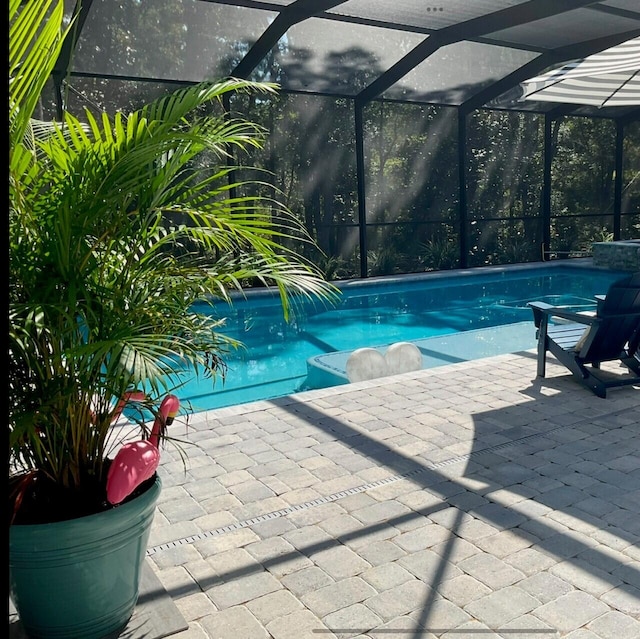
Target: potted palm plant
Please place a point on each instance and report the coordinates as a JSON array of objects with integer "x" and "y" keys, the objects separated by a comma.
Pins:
[{"x": 117, "y": 226}]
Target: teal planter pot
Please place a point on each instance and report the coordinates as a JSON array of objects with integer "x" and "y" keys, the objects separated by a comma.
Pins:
[{"x": 80, "y": 578}]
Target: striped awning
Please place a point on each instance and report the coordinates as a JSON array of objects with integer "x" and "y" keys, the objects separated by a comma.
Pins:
[{"x": 605, "y": 79}]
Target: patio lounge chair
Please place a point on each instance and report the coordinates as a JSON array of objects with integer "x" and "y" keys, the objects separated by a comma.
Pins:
[{"x": 581, "y": 342}]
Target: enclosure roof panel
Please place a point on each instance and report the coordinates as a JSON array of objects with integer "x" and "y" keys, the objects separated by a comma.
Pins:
[
  {"x": 564, "y": 29},
  {"x": 324, "y": 56},
  {"x": 185, "y": 40},
  {"x": 458, "y": 52},
  {"x": 423, "y": 15},
  {"x": 456, "y": 72}
]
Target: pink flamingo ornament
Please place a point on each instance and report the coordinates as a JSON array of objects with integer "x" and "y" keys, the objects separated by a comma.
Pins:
[{"x": 137, "y": 461}]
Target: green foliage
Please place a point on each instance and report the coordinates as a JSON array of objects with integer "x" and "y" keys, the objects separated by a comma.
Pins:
[
  {"x": 117, "y": 226},
  {"x": 440, "y": 254},
  {"x": 383, "y": 262},
  {"x": 335, "y": 268},
  {"x": 583, "y": 167},
  {"x": 588, "y": 235}
]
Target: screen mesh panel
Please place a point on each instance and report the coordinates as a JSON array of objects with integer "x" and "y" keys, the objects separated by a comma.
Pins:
[
  {"x": 399, "y": 137},
  {"x": 429, "y": 14},
  {"x": 326, "y": 56},
  {"x": 565, "y": 28},
  {"x": 456, "y": 72},
  {"x": 186, "y": 40}
]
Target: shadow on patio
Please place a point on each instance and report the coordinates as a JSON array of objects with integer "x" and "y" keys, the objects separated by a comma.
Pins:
[{"x": 470, "y": 499}]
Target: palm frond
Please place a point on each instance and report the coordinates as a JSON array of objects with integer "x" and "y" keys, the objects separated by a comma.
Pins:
[{"x": 119, "y": 225}]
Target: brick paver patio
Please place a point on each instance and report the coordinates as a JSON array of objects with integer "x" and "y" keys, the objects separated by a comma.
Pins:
[{"x": 471, "y": 500}]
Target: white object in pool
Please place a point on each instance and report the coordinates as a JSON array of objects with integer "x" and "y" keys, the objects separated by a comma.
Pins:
[
  {"x": 403, "y": 357},
  {"x": 366, "y": 363}
]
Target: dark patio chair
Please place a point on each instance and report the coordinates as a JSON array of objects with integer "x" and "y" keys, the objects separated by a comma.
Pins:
[{"x": 581, "y": 342}]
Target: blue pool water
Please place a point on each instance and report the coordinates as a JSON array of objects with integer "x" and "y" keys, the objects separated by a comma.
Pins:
[{"x": 381, "y": 312}]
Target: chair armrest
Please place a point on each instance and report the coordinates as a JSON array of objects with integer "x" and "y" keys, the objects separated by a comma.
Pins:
[
  {"x": 541, "y": 309},
  {"x": 538, "y": 309},
  {"x": 540, "y": 305}
]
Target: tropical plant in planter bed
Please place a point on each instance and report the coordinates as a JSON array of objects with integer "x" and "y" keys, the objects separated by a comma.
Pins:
[{"x": 118, "y": 224}]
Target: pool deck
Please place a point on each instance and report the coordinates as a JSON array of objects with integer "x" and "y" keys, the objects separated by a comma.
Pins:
[
  {"x": 469, "y": 500},
  {"x": 461, "y": 501}
]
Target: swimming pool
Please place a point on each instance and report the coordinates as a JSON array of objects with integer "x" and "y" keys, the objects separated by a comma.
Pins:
[{"x": 451, "y": 306}]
